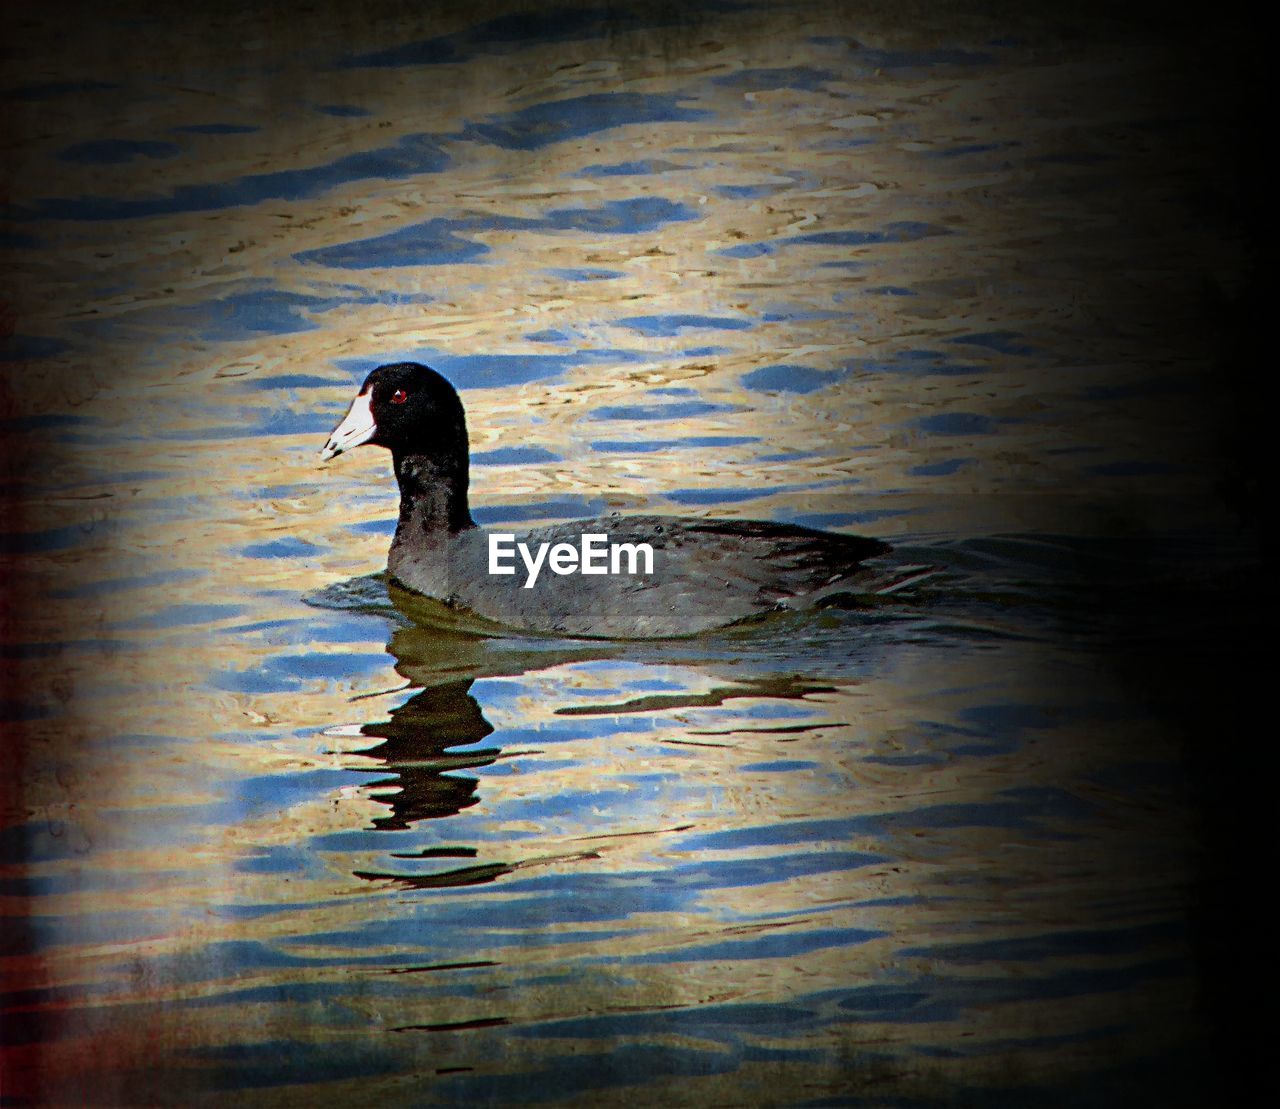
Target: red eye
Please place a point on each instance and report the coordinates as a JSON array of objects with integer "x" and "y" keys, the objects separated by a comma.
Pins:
[{"x": 399, "y": 397}]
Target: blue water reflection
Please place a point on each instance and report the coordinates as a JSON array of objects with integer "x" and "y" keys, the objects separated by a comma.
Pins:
[{"x": 288, "y": 834}]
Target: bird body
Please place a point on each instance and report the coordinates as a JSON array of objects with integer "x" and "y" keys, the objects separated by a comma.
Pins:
[
  {"x": 705, "y": 574},
  {"x": 702, "y": 574}
]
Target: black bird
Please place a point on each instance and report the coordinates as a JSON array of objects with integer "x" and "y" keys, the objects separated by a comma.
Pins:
[{"x": 702, "y": 574}]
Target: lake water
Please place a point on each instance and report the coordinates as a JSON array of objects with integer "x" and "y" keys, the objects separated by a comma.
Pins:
[{"x": 276, "y": 832}]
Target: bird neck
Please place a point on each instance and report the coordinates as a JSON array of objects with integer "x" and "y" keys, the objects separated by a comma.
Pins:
[{"x": 433, "y": 493}]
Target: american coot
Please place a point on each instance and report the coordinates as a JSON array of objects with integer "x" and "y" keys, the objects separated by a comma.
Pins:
[{"x": 631, "y": 577}]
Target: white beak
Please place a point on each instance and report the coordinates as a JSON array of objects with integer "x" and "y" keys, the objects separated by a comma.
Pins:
[{"x": 357, "y": 427}]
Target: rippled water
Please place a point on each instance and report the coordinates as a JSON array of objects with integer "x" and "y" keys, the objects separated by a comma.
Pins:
[{"x": 281, "y": 832}]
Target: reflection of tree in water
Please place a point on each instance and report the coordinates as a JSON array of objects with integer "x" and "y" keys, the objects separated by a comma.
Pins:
[{"x": 415, "y": 744}]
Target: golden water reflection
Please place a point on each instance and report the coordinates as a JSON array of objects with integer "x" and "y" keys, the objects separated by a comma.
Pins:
[{"x": 285, "y": 835}]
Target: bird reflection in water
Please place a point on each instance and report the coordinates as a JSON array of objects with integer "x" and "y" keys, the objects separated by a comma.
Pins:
[
  {"x": 443, "y": 653},
  {"x": 415, "y": 746},
  {"x": 431, "y": 737}
]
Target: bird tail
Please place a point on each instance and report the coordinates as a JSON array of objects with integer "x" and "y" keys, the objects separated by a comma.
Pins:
[
  {"x": 865, "y": 588},
  {"x": 901, "y": 577}
]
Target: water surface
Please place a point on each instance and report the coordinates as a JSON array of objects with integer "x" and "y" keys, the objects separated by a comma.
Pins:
[{"x": 287, "y": 834}]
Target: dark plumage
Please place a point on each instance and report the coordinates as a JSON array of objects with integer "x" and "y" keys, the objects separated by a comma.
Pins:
[{"x": 706, "y": 573}]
